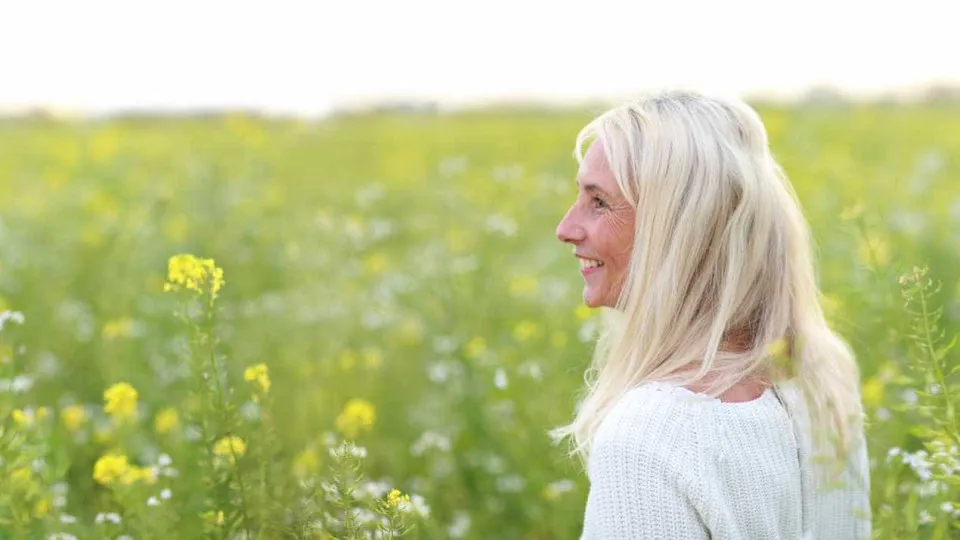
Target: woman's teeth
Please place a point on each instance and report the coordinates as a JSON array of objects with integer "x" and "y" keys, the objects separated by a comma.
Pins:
[{"x": 589, "y": 263}]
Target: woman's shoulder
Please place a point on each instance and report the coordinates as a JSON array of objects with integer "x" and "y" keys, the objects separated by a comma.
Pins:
[
  {"x": 660, "y": 419},
  {"x": 653, "y": 420}
]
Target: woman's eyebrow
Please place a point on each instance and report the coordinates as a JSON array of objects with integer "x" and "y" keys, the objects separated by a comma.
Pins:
[{"x": 591, "y": 187}]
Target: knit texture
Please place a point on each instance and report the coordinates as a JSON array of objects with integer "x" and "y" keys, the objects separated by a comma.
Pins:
[{"x": 671, "y": 464}]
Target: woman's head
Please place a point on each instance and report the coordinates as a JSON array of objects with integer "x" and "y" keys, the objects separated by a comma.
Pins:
[{"x": 703, "y": 243}]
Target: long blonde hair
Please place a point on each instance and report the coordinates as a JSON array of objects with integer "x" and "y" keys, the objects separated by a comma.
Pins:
[{"x": 721, "y": 248}]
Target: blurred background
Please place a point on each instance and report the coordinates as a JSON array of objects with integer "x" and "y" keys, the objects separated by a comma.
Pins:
[{"x": 380, "y": 183}]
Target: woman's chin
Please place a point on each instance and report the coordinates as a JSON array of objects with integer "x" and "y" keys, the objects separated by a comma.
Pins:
[{"x": 591, "y": 298}]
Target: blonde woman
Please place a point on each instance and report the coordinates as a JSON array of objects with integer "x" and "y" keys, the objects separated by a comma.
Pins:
[{"x": 719, "y": 404}]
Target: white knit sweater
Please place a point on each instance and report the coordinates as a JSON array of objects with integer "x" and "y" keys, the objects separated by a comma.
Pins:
[{"x": 671, "y": 464}]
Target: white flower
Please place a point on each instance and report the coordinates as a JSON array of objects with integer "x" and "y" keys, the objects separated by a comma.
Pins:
[
  {"x": 500, "y": 379},
  {"x": 510, "y": 483},
  {"x": 67, "y": 519},
  {"x": 11, "y": 316},
  {"x": 164, "y": 460},
  {"x": 373, "y": 490},
  {"x": 166, "y": 494},
  {"x": 152, "y": 501},
  {"x": 420, "y": 506},
  {"x": 460, "y": 525},
  {"x": 21, "y": 384}
]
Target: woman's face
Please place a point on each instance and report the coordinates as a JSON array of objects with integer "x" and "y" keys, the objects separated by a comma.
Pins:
[{"x": 600, "y": 225}]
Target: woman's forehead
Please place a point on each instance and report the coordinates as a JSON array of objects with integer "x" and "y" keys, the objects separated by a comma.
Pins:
[{"x": 594, "y": 166}]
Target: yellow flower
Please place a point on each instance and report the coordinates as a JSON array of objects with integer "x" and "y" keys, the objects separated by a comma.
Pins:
[
  {"x": 348, "y": 359},
  {"x": 21, "y": 480},
  {"x": 357, "y": 415},
  {"x": 872, "y": 392},
  {"x": 42, "y": 413},
  {"x": 213, "y": 518},
  {"x": 375, "y": 264},
  {"x": 111, "y": 469},
  {"x": 21, "y": 418},
  {"x": 231, "y": 448},
  {"x": 525, "y": 331},
  {"x": 260, "y": 376},
  {"x": 166, "y": 421},
  {"x": 73, "y": 417},
  {"x": 411, "y": 331},
  {"x": 372, "y": 357},
  {"x": 476, "y": 347},
  {"x": 41, "y": 508},
  {"x": 395, "y": 498},
  {"x": 195, "y": 274},
  {"x": 306, "y": 463},
  {"x": 583, "y": 312},
  {"x": 146, "y": 474},
  {"x": 103, "y": 435},
  {"x": 122, "y": 327},
  {"x": 121, "y": 401}
]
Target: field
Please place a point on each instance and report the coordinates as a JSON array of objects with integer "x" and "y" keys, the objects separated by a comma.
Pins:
[{"x": 398, "y": 278}]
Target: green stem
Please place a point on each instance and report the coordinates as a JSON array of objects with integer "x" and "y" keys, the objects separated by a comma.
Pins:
[
  {"x": 937, "y": 371},
  {"x": 223, "y": 417},
  {"x": 263, "y": 469}
]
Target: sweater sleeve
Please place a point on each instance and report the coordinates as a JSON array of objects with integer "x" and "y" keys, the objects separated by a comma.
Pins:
[{"x": 641, "y": 481}]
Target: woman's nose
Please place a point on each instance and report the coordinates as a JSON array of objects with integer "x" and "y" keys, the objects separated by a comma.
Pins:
[{"x": 569, "y": 231}]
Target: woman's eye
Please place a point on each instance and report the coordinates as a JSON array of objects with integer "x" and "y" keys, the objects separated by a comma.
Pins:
[{"x": 599, "y": 203}]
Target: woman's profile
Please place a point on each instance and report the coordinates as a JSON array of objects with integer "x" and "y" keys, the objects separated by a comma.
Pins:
[{"x": 719, "y": 403}]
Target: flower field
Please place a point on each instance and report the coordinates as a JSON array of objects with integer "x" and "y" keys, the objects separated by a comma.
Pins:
[{"x": 363, "y": 326}]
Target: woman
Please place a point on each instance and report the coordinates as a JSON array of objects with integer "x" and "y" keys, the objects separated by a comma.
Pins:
[{"x": 717, "y": 388}]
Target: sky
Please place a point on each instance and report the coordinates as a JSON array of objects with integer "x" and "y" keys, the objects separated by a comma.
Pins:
[{"x": 310, "y": 57}]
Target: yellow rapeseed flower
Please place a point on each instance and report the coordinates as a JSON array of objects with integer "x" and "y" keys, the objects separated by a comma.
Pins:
[
  {"x": 22, "y": 480},
  {"x": 348, "y": 359},
  {"x": 73, "y": 417},
  {"x": 166, "y": 421},
  {"x": 395, "y": 498},
  {"x": 120, "y": 401},
  {"x": 476, "y": 347},
  {"x": 872, "y": 392},
  {"x": 114, "y": 328},
  {"x": 230, "y": 448},
  {"x": 306, "y": 463},
  {"x": 193, "y": 273},
  {"x": 111, "y": 469},
  {"x": 213, "y": 518},
  {"x": 260, "y": 376},
  {"x": 41, "y": 508},
  {"x": 372, "y": 357},
  {"x": 525, "y": 331},
  {"x": 20, "y": 418},
  {"x": 358, "y": 415}
]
